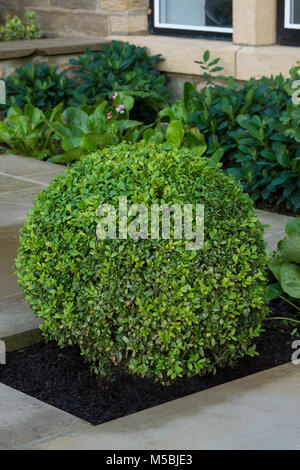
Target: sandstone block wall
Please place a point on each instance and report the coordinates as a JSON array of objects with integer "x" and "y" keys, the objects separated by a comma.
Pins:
[{"x": 89, "y": 18}]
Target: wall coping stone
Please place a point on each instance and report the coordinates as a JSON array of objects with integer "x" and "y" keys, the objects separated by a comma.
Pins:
[
  {"x": 48, "y": 47},
  {"x": 240, "y": 61}
]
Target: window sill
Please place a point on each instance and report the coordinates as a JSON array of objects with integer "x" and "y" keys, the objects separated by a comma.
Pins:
[{"x": 241, "y": 62}]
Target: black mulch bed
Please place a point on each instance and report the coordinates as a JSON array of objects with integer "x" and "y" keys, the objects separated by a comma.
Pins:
[
  {"x": 277, "y": 209},
  {"x": 61, "y": 378}
]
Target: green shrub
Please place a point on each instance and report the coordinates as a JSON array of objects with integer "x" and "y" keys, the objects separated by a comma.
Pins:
[
  {"x": 151, "y": 306},
  {"x": 14, "y": 29},
  {"x": 40, "y": 85},
  {"x": 122, "y": 67}
]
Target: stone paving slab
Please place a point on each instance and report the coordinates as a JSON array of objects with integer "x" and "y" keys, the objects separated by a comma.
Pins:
[
  {"x": 8, "y": 280},
  {"x": 24, "y": 420},
  {"x": 258, "y": 412},
  {"x": 276, "y": 230},
  {"x": 21, "y": 179},
  {"x": 18, "y": 326},
  {"x": 18, "y": 165}
]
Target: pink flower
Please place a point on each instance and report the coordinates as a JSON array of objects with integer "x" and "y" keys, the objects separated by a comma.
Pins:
[
  {"x": 109, "y": 115},
  {"x": 120, "y": 108},
  {"x": 114, "y": 95}
]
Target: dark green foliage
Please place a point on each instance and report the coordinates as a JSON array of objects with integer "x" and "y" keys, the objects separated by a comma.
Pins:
[
  {"x": 122, "y": 67},
  {"x": 151, "y": 306},
  {"x": 40, "y": 85},
  {"x": 255, "y": 126},
  {"x": 96, "y": 75}
]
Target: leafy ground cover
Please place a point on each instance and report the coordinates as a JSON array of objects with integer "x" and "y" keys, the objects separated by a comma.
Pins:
[{"x": 252, "y": 128}]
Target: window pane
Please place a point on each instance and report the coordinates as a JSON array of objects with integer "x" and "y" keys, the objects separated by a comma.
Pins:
[
  {"x": 216, "y": 13},
  {"x": 295, "y": 12}
]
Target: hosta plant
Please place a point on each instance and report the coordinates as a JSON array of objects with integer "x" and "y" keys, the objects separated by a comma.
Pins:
[
  {"x": 87, "y": 128},
  {"x": 28, "y": 132},
  {"x": 285, "y": 266}
]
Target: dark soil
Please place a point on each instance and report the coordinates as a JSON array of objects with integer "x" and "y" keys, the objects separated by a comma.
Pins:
[
  {"x": 277, "y": 209},
  {"x": 61, "y": 378}
]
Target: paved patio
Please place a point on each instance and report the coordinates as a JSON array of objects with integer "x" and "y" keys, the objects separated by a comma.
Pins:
[{"x": 25, "y": 420}]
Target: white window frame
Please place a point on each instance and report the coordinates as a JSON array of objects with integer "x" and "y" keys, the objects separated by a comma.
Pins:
[
  {"x": 157, "y": 24},
  {"x": 287, "y": 16}
]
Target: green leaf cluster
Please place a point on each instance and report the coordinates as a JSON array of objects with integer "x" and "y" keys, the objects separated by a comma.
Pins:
[
  {"x": 65, "y": 136},
  {"x": 118, "y": 67},
  {"x": 285, "y": 265},
  {"x": 16, "y": 29},
  {"x": 122, "y": 67},
  {"x": 28, "y": 132},
  {"x": 41, "y": 85}
]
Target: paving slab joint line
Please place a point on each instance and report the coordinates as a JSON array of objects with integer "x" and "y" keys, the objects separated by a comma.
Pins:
[
  {"x": 278, "y": 232},
  {"x": 80, "y": 429},
  {"x": 28, "y": 180}
]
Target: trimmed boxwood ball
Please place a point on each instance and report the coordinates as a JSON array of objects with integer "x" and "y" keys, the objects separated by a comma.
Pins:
[{"x": 150, "y": 306}]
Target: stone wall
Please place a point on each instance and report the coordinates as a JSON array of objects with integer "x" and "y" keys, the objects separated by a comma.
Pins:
[
  {"x": 9, "y": 6},
  {"x": 89, "y": 18}
]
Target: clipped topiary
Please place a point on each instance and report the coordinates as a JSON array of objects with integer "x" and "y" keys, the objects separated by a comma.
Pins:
[{"x": 151, "y": 306}]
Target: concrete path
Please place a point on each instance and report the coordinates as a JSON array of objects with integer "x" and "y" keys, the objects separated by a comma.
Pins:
[
  {"x": 24, "y": 420},
  {"x": 21, "y": 179},
  {"x": 259, "y": 412}
]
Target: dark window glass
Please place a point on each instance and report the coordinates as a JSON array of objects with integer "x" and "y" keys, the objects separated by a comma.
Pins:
[{"x": 192, "y": 16}]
